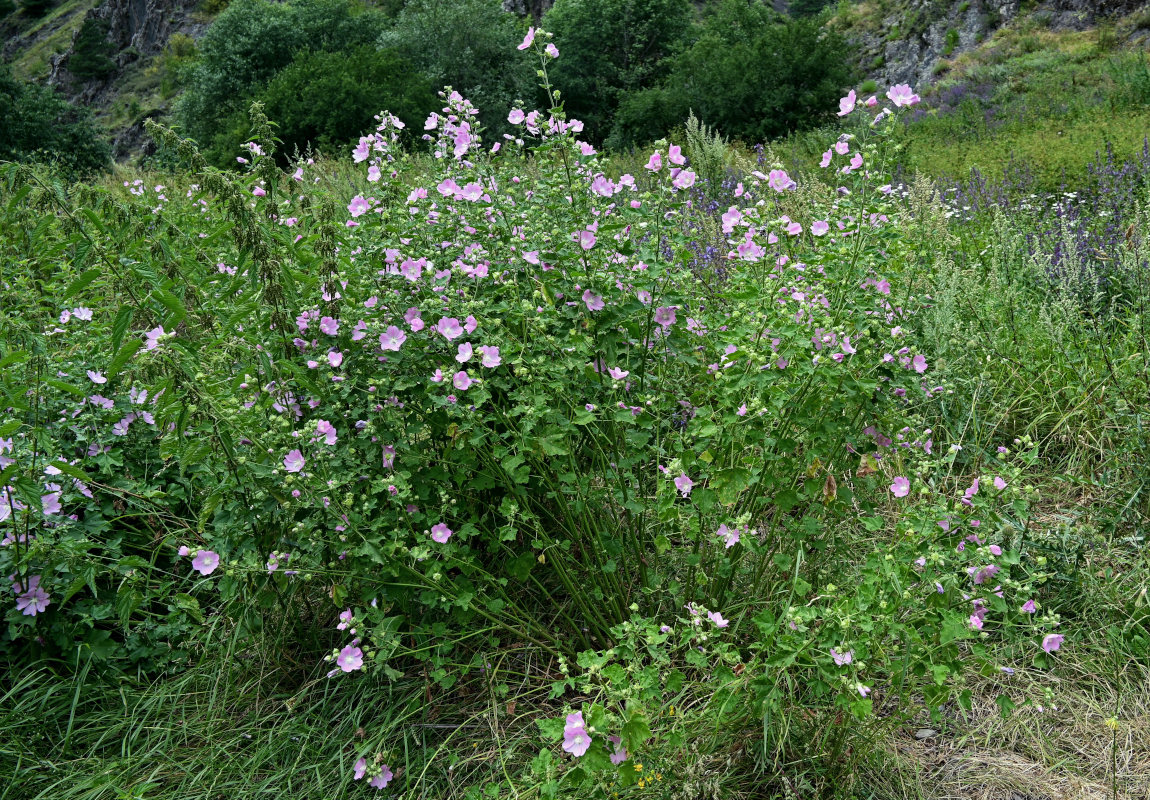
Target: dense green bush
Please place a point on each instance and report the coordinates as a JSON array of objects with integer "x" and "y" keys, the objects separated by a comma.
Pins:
[
  {"x": 468, "y": 45},
  {"x": 40, "y": 125},
  {"x": 247, "y": 45},
  {"x": 610, "y": 48},
  {"x": 91, "y": 51},
  {"x": 751, "y": 73},
  {"x": 431, "y": 414},
  {"x": 328, "y": 99}
]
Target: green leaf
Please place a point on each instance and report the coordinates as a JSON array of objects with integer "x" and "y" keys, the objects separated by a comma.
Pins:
[
  {"x": 120, "y": 326},
  {"x": 123, "y": 356},
  {"x": 636, "y": 730},
  {"x": 81, "y": 283}
]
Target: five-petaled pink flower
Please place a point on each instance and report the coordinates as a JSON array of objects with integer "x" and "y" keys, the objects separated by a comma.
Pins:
[
  {"x": 449, "y": 328},
  {"x": 847, "y": 104},
  {"x": 586, "y": 239},
  {"x": 684, "y": 484},
  {"x": 205, "y": 562},
  {"x": 594, "y": 302},
  {"x": 294, "y": 461},
  {"x": 527, "y": 40},
  {"x": 441, "y": 533},
  {"x": 900, "y": 487},
  {"x": 358, "y": 206},
  {"x": 665, "y": 316},
  {"x": 1052, "y": 641},
  {"x": 462, "y": 380},
  {"x": 576, "y": 740},
  {"x": 350, "y": 659},
  {"x": 842, "y": 659},
  {"x": 392, "y": 339},
  {"x": 902, "y": 95}
]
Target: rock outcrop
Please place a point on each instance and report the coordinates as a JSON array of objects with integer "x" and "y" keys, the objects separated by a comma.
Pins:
[{"x": 907, "y": 45}]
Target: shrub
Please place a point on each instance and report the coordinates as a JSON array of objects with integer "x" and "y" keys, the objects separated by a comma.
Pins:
[
  {"x": 610, "y": 48},
  {"x": 91, "y": 51},
  {"x": 247, "y": 45},
  {"x": 501, "y": 401},
  {"x": 40, "y": 125},
  {"x": 324, "y": 100},
  {"x": 751, "y": 74},
  {"x": 469, "y": 45}
]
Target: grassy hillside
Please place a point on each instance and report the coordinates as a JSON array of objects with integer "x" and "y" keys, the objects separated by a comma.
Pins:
[{"x": 1047, "y": 99}]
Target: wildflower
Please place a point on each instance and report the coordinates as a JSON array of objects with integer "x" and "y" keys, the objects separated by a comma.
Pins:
[
  {"x": 862, "y": 690},
  {"x": 1052, "y": 641},
  {"x": 586, "y": 239},
  {"x": 327, "y": 430},
  {"x": 999, "y": 483},
  {"x": 730, "y": 536},
  {"x": 675, "y": 155},
  {"x": 358, "y": 206},
  {"x": 392, "y": 339},
  {"x": 462, "y": 380},
  {"x": 381, "y": 780},
  {"x": 441, "y": 533},
  {"x": 684, "y": 485},
  {"x": 205, "y": 562},
  {"x": 335, "y": 358},
  {"x": 345, "y": 617},
  {"x": 819, "y": 227},
  {"x": 34, "y": 600},
  {"x": 152, "y": 337},
  {"x": 465, "y": 352},
  {"x": 655, "y": 162},
  {"x": 350, "y": 659},
  {"x": 919, "y": 364},
  {"x": 900, "y": 487},
  {"x": 1029, "y": 607},
  {"x": 902, "y": 95},
  {"x": 684, "y": 180},
  {"x": 620, "y": 753},
  {"x": 50, "y": 503},
  {"x": 847, "y": 104},
  {"x": 491, "y": 357},
  {"x": 329, "y": 326},
  {"x": 576, "y": 740},
  {"x": 842, "y": 659},
  {"x": 449, "y": 328},
  {"x": 551, "y": 50},
  {"x": 96, "y": 377},
  {"x": 294, "y": 461},
  {"x": 780, "y": 181},
  {"x": 717, "y": 618},
  {"x": 665, "y": 316},
  {"x": 360, "y": 768},
  {"x": 594, "y": 302},
  {"x": 618, "y": 374},
  {"x": 527, "y": 40},
  {"x": 516, "y": 116}
]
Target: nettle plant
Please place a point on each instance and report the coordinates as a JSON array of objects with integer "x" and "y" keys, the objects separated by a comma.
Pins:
[{"x": 490, "y": 399}]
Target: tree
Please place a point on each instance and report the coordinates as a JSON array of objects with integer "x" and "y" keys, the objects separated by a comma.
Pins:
[
  {"x": 609, "y": 48},
  {"x": 249, "y": 43},
  {"x": 471, "y": 46},
  {"x": 91, "y": 51},
  {"x": 40, "y": 125},
  {"x": 752, "y": 73},
  {"x": 328, "y": 100}
]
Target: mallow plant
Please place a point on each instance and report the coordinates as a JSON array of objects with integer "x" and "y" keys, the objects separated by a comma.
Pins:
[{"x": 477, "y": 398}]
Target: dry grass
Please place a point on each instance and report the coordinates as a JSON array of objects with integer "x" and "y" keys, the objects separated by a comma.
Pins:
[{"x": 1091, "y": 741}]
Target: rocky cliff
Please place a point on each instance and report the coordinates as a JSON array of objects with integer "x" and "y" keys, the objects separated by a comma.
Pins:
[{"x": 903, "y": 41}]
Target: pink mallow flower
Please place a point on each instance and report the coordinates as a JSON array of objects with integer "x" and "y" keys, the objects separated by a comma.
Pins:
[
  {"x": 441, "y": 533},
  {"x": 684, "y": 485},
  {"x": 350, "y": 659},
  {"x": 900, "y": 487},
  {"x": 205, "y": 562},
  {"x": 1052, "y": 641}
]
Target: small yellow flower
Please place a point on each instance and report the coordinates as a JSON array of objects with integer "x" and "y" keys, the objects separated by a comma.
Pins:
[
  {"x": 641, "y": 784},
  {"x": 638, "y": 767},
  {"x": 672, "y": 711}
]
